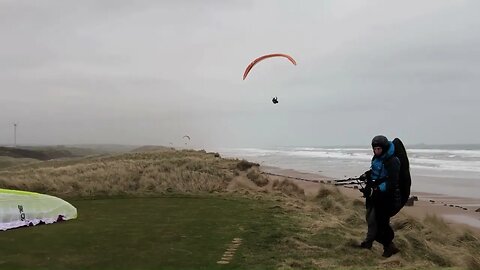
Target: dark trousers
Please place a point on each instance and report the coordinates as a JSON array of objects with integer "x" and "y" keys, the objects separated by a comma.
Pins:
[
  {"x": 385, "y": 233},
  {"x": 371, "y": 223},
  {"x": 378, "y": 221}
]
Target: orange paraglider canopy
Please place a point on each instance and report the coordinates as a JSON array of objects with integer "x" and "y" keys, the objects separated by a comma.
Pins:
[{"x": 261, "y": 58}]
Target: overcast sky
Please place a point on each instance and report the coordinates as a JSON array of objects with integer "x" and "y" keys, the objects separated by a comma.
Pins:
[{"x": 149, "y": 72}]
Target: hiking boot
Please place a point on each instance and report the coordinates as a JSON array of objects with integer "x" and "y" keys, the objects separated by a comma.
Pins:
[
  {"x": 366, "y": 244},
  {"x": 390, "y": 250}
]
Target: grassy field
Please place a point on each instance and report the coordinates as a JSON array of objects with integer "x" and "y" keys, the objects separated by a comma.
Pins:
[
  {"x": 182, "y": 232},
  {"x": 181, "y": 209}
]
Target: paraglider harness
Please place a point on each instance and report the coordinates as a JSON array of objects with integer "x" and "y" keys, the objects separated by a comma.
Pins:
[
  {"x": 404, "y": 178},
  {"x": 275, "y": 100}
]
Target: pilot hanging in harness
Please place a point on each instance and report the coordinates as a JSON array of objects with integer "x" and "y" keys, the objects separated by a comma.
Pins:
[{"x": 275, "y": 100}]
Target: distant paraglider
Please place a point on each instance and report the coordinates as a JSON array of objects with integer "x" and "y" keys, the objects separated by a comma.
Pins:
[
  {"x": 275, "y": 100},
  {"x": 261, "y": 58},
  {"x": 187, "y": 137}
]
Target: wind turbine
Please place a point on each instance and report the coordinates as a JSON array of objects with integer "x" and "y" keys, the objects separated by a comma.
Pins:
[{"x": 15, "y": 134}]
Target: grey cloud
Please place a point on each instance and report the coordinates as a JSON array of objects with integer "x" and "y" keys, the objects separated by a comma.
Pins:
[{"x": 146, "y": 72}]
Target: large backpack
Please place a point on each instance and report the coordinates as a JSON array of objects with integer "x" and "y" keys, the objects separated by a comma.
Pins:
[{"x": 404, "y": 179}]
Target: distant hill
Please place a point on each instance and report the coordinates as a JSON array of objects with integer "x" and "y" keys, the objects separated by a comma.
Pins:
[
  {"x": 6, "y": 162},
  {"x": 43, "y": 154},
  {"x": 74, "y": 150},
  {"x": 104, "y": 148},
  {"x": 151, "y": 148},
  {"x": 80, "y": 150}
]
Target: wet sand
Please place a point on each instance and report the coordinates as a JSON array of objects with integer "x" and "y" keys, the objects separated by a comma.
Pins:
[{"x": 458, "y": 212}]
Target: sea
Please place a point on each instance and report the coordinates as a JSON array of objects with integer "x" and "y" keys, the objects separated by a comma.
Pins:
[{"x": 451, "y": 170}]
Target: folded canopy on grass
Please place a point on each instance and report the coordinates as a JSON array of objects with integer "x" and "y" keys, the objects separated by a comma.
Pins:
[{"x": 23, "y": 208}]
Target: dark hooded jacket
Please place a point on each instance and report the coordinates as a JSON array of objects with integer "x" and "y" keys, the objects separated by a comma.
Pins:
[{"x": 384, "y": 177}]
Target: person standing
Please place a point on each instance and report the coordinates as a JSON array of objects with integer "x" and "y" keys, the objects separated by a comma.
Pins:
[{"x": 382, "y": 195}]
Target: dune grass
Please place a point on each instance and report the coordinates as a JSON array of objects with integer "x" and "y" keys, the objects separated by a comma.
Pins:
[{"x": 125, "y": 174}]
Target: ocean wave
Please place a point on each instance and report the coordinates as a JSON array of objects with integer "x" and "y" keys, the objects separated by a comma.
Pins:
[{"x": 432, "y": 159}]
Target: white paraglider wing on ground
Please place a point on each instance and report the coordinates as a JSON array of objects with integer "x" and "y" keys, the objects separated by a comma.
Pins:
[{"x": 23, "y": 208}]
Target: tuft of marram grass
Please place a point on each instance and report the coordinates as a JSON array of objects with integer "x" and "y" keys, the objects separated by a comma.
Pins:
[
  {"x": 255, "y": 176},
  {"x": 332, "y": 200},
  {"x": 244, "y": 165},
  {"x": 290, "y": 188}
]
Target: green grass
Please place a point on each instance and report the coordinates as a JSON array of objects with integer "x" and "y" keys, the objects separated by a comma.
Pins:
[{"x": 151, "y": 233}]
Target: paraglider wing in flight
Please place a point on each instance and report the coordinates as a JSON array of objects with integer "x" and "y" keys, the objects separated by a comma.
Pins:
[{"x": 261, "y": 58}]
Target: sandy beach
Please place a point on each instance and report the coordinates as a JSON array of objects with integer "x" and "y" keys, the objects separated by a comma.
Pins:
[{"x": 450, "y": 209}]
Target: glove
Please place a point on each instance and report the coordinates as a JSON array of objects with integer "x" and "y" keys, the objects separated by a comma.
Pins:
[
  {"x": 367, "y": 192},
  {"x": 365, "y": 176}
]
